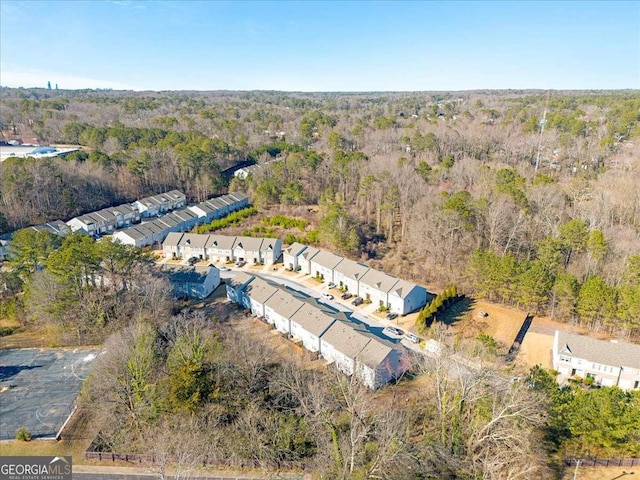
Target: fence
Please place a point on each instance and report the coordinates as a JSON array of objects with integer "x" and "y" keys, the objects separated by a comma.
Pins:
[
  {"x": 205, "y": 461},
  {"x": 602, "y": 462}
]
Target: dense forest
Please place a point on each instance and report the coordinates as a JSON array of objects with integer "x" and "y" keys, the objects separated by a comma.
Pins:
[{"x": 439, "y": 188}]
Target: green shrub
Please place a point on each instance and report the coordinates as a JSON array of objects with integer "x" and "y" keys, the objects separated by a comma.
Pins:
[{"x": 23, "y": 435}]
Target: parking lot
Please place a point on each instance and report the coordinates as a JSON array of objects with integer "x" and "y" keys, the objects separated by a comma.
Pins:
[{"x": 39, "y": 387}]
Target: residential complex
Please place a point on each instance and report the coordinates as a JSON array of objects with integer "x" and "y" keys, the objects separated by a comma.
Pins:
[
  {"x": 356, "y": 278},
  {"x": 333, "y": 335},
  {"x": 222, "y": 248}
]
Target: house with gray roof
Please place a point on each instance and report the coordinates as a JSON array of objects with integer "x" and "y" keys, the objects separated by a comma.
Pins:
[
  {"x": 304, "y": 259},
  {"x": 341, "y": 344},
  {"x": 323, "y": 263},
  {"x": 236, "y": 286},
  {"x": 310, "y": 322},
  {"x": 608, "y": 362},
  {"x": 192, "y": 282},
  {"x": 192, "y": 245},
  {"x": 291, "y": 254},
  {"x": 280, "y": 307},
  {"x": 405, "y": 297},
  {"x": 220, "y": 248},
  {"x": 347, "y": 274},
  {"x": 375, "y": 286},
  {"x": 379, "y": 363},
  {"x": 255, "y": 295}
]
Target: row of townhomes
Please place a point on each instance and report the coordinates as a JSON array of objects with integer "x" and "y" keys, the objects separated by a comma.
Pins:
[
  {"x": 331, "y": 334},
  {"x": 608, "y": 362},
  {"x": 358, "y": 279},
  {"x": 109, "y": 219},
  {"x": 155, "y": 231},
  {"x": 222, "y": 248}
]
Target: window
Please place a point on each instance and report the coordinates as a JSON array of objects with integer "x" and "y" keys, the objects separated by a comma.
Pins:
[{"x": 565, "y": 359}]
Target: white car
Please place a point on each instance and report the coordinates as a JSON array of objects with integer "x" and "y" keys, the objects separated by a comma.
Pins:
[
  {"x": 327, "y": 296},
  {"x": 394, "y": 331}
]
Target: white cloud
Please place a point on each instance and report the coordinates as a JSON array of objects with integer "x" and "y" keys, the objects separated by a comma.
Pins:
[{"x": 26, "y": 77}]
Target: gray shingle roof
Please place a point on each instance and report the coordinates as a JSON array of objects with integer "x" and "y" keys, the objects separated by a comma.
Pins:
[
  {"x": 193, "y": 240},
  {"x": 374, "y": 352},
  {"x": 345, "y": 339},
  {"x": 249, "y": 244},
  {"x": 327, "y": 259},
  {"x": 186, "y": 274},
  {"x": 351, "y": 269},
  {"x": 173, "y": 239},
  {"x": 240, "y": 279},
  {"x": 379, "y": 280},
  {"x": 295, "y": 249},
  {"x": 605, "y": 352},
  {"x": 260, "y": 290},
  {"x": 284, "y": 303},
  {"x": 312, "y": 319}
]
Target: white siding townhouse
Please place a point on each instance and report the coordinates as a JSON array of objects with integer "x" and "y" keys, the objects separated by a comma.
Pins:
[
  {"x": 321, "y": 329},
  {"x": 405, "y": 297},
  {"x": 192, "y": 245},
  {"x": 291, "y": 254},
  {"x": 304, "y": 259},
  {"x": 256, "y": 294},
  {"x": 220, "y": 248},
  {"x": 381, "y": 289},
  {"x": 192, "y": 282},
  {"x": 223, "y": 248},
  {"x": 347, "y": 274},
  {"x": 341, "y": 344},
  {"x": 375, "y": 286},
  {"x": 257, "y": 250},
  {"x": 609, "y": 363},
  {"x": 322, "y": 265},
  {"x": 309, "y": 323},
  {"x": 57, "y": 227},
  {"x": 158, "y": 204},
  {"x": 378, "y": 363},
  {"x": 280, "y": 307}
]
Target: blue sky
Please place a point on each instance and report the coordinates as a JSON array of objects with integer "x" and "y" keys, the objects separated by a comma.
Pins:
[{"x": 320, "y": 46}]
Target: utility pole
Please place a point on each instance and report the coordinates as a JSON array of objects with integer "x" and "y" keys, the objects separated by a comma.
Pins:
[{"x": 542, "y": 124}]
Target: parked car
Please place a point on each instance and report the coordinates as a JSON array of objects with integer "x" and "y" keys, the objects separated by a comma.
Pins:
[
  {"x": 240, "y": 263},
  {"x": 412, "y": 337},
  {"x": 331, "y": 285},
  {"x": 193, "y": 260},
  {"x": 395, "y": 331},
  {"x": 482, "y": 314},
  {"x": 357, "y": 301},
  {"x": 346, "y": 296},
  {"x": 224, "y": 269},
  {"x": 327, "y": 296},
  {"x": 391, "y": 315}
]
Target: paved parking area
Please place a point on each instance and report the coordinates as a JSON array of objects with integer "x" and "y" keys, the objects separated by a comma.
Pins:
[{"x": 39, "y": 387}]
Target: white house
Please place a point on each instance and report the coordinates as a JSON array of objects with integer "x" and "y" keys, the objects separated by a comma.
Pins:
[
  {"x": 138, "y": 236},
  {"x": 244, "y": 172},
  {"x": 309, "y": 323},
  {"x": 347, "y": 274},
  {"x": 291, "y": 255},
  {"x": 57, "y": 227},
  {"x": 378, "y": 363},
  {"x": 405, "y": 297},
  {"x": 340, "y": 344},
  {"x": 375, "y": 287},
  {"x": 280, "y": 307},
  {"x": 192, "y": 245},
  {"x": 323, "y": 263},
  {"x": 608, "y": 362},
  {"x": 257, "y": 250},
  {"x": 186, "y": 217},
  {"x": 256, "y": 294},
  {"x": 192, "y": 282},
  {"x": 304, "y": 259},
  {"x": 220, "y": 248},
  {"x": 170, "y": 245},
  {"x": 161, "y": 203}
]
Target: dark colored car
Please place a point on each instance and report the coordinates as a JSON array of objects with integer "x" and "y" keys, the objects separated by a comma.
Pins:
[
  {"x": 391, "y": 316},
  {"x": 357, "y": 301},
  {"x": 346, "y": 296},
  {"x": 193, "y": 260}
]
